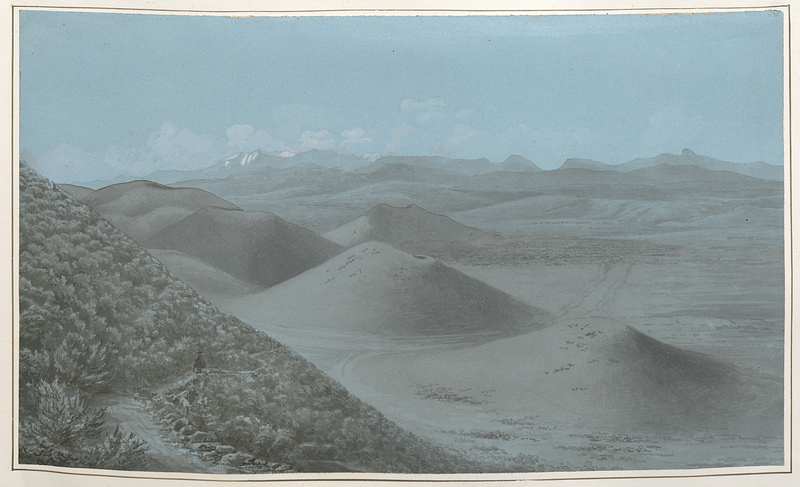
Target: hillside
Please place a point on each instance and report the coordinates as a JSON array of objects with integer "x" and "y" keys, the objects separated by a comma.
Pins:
[
  {"x": 140, "y": 209},
  {"x": 468, "y": 167},
  {"x": 203, "y": 278},
  {"x": 411, "y": 228},
  {"x": 760, "y": 170},
  {"x": 575, "y": 163},
  {"x": 601, "y": 373},
  {"x": 101, "y": 318},
  {"x": 515, "y": 163},
  {"x": 399, "y": 171},
  {"x": 257, "y": 247},
  {"x": 77, "y": 192},
  {"x": 374, "y": 288}
]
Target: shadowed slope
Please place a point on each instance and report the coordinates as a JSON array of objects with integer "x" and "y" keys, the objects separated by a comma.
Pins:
[
  {"x": 411, "y": 228},
  {"x": 377, "y": 289},
  {"x": 200, "y": 276},
  {"x": 604, "y": 373},
  {"x": 257, "y": 247},
  {"x": 77, "y": 192},
  {"x": 143, "y": 208}
]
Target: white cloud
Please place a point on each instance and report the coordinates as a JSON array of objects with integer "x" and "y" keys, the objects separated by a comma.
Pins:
[
  {"x": 322, "y": 140},
  {"x": 179, "y": 145},
  {"x": 425, "y": 110},
  {"x": 469, "y": 112},
  {"x": 409, "y": 105},
  {"x": 355, "y": 133},
  {"x": 435, "y": 109},
  {"x": 399, "y": 137},
  {"x": 239, "y": 133},
  {"x": 354, "y": 137},
  {"x": 246, "y": 139}
]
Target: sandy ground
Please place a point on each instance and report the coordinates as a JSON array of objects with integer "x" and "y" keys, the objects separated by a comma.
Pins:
[{"x": 724, "y": 303}]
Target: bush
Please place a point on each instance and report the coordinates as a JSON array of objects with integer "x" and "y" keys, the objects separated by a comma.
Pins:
[
  {"x": 63, "y": 417},
  {"x": 62, "y": 429}
]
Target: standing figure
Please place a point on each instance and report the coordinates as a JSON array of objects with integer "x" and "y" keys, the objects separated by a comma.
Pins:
[{"x": 199, "y": 362}]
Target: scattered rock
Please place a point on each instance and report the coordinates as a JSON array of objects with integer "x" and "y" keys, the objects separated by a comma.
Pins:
[
  {"x": 204, "y": 446},
  {"x": 200, "y": 437},
  {"x": 237, "y": 459},
  {"x": 225, "y": 449},
  {"x": 247, "y": 458},
  {"x": 211, "y": 456},
  {"x": 231, "y": 459},
  {"x": 181, "y": 423}
]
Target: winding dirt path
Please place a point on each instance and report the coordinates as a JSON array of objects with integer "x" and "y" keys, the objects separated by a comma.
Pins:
[{"x": 163, "y": 455}]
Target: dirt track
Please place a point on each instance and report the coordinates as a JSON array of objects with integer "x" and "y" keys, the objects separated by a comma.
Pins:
[{"x": 163, "y": 455}]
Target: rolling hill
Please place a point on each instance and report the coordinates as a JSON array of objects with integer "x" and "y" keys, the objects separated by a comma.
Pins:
[
  {"x": 399, "y": 171},
  {"x": 411, "y": 228},
  {"x": 467, "y": 167},
  {"x": 600, "y": 372},
  {"x": 760, "y": 170},
  {"x": 140, "y": 209},
  {"x": 515, "y": 163},
  {"x": 256, "y": 247},
  {"x": 200, "y": 276},
  {"x": 77, "y": 192},
  {"x": 374, "y": 288}
]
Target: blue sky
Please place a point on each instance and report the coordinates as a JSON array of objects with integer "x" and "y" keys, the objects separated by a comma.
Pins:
[{"x": 106, "y": 94}]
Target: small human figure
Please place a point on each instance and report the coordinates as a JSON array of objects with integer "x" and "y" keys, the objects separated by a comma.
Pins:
[{"x": 199, "y": 362}]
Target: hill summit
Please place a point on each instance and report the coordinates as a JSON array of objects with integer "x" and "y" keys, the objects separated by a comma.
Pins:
[
  {"x": 374, "y": 288},
  {"x": 140, "y": 209},
  {"x": 257, "y": 247},
  {"x": 410, "y": 228}
]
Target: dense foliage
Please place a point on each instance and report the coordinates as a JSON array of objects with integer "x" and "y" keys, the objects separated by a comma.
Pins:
[{"x": 99, "y": 315}]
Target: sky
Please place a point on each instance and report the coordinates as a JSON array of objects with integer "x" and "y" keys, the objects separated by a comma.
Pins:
[{"x": 108, "y": 94}]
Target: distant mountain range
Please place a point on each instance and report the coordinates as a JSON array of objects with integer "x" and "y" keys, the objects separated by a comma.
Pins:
[
  {"x": 664, "y": 190},
  {"x": 245, "y": 163},
  {"x": 760, "y": 170}
]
